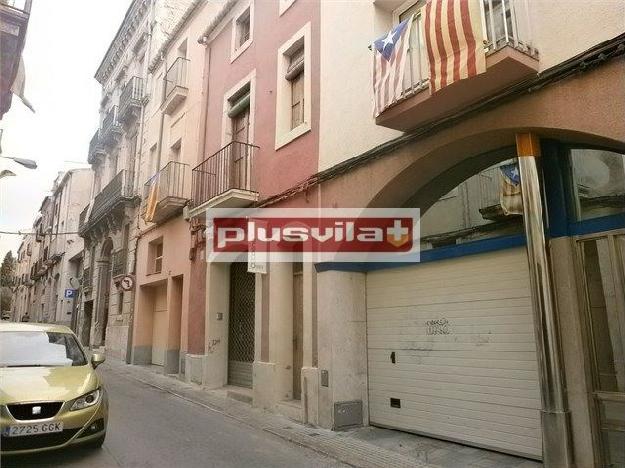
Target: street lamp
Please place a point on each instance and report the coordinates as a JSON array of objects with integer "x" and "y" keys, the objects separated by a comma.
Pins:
[{"x": 28, "y": 163}]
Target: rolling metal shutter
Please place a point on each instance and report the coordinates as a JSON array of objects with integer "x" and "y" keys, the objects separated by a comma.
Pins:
[{"x": 461, "y": 335}]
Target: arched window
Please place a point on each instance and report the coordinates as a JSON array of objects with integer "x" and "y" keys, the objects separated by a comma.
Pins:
[{"x": 485, "y": 205}]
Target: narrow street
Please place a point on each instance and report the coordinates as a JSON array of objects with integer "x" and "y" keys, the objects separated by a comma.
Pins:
[{"x": 152, "y": 428}]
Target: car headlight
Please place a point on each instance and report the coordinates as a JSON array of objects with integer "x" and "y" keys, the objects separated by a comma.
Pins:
[{"x": 87, "y": 400}]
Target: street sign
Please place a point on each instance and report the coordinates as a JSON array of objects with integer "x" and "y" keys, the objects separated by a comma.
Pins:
[
  {"x": 70, "y": 293},
  {"x": 127, "y": 283}
]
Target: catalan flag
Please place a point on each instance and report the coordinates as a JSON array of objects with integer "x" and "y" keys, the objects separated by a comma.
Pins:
[{"x": 454, "y": 40}]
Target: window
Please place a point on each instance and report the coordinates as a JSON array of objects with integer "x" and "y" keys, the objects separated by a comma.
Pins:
[
  {"x": 38, "y": 348},
  {"x": 293, "y": 110},
  {"x": 243, "y": 28},
  {"x": 417, "y": 68},
  {"x": 238, "y": 111},
  {"x": 155, "y": 256},
  {"x": 239, "y": 114},
  {"x": 295, "y": 74},
  {"x": 242, "y": 31},
  {"x": 174, "y": 151},
  {"x": 158, "y": 258},
  {"x": 598, "y": 183}
]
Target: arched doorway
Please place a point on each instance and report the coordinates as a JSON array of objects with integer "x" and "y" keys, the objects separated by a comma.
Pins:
[{"x": 103, "y": 293}]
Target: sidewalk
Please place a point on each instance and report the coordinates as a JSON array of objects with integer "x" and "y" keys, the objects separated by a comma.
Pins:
[{"x": 368, "y": 447}]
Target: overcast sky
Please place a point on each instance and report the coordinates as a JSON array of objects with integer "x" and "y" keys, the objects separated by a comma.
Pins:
[{"x": 65, "y": 43}]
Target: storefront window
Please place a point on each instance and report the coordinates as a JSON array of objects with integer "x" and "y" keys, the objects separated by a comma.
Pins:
[
  {"x": 598, "y": 183},
  {"x": 486, "y": 205}
]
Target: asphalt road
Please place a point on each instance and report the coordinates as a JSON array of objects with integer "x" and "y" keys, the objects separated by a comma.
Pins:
[{"x": 152, "y": 428}]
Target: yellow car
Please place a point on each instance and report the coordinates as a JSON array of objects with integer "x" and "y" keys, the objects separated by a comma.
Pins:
[{"x": 50, "y": 395}]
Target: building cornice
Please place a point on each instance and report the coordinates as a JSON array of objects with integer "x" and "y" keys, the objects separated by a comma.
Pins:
[
  {"x": 213, "y": 25},
  {"x": 133, "y": 18},
  {"x": 193, "y": 7}
]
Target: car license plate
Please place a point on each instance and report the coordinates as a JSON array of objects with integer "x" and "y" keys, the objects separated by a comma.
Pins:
[{"x": 32, "y": 429}]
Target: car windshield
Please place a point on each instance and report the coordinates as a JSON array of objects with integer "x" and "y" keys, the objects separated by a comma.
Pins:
[{"x": 39, "y": 349}]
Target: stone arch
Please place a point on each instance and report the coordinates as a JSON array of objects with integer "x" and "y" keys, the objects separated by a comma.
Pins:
[
  {"x": 428, "y": 176},
  {"x": 106, "y": 250}
]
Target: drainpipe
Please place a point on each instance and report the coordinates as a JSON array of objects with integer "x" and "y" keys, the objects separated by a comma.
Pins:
[
  {"x": 137, "y": 176},
  {"x": 162, "y": 123},
  {"x": 555, "y": 417},
  {"x": 204, "y": 114}
]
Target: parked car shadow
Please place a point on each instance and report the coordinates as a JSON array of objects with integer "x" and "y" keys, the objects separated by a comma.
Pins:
[{"x": 75, "y": 456}]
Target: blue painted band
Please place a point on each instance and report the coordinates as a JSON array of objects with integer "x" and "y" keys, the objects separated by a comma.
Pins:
[{"x": 591, "y": 226}]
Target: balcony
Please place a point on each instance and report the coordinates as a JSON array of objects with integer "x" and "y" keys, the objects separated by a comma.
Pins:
[
  {"x": 14, "y": 17},
  {"x": 83, "y": 217},
  {"x": 175, "y": 85},
  {"x": 510, "y": 58},
  {"x": 118, "y": 263},
  {"x": 130, "y": 101},
  {"x": 110, "y": 201},
  {"x": 111, "y": 127},
  {"x": 96, "y": 148},
  {"x": 225, "y": 179},
  {"x": 164, "y": 193}
]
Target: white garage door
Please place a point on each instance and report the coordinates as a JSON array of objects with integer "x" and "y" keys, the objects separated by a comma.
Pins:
[{"x": 460, "y": 333}]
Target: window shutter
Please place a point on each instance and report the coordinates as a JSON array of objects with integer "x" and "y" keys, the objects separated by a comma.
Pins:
[
  {"x": 296, "y": 65},
  {"x": 239, "y": 105}
]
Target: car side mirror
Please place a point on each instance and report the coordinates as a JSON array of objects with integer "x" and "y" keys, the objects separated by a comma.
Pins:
[{"x": 97, "y": 359}]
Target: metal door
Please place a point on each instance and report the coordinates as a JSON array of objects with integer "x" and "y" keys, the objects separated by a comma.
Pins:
[
  {"x": 603, "y": 274},
  {"x": 452, "y": 353},
  {"x": 298, "y": 329},
  {"x": 241, "y": 326}
]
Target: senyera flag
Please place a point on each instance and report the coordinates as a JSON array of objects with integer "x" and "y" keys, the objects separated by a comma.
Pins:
[
  {"x": 389, "y": 62},
  {"x": 454, "y": 40}
]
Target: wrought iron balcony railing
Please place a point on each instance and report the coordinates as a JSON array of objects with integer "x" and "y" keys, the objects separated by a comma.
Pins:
[
  {"x": 118, "y": 263},
  {"x": 505, "y": 23},
  {"x": 87, "y": 278},
  {"x": 111, "y": 127},
  {"x": 176, "y": 76},
  {"x": 83, "y": 217},
  {"x": 96, "y": 148},
  {"x": 165, "y": 193},
  {"x": 130, "y": 99},
  {"x": 229, "y": 168},
  {"x": 118, "y": 190}
]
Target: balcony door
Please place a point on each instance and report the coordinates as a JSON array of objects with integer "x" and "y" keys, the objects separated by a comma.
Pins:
[
  {"x": 603, "y": 272},
  {"x": 417, "y": 67},
  {"x": 240, "y": 157}
]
